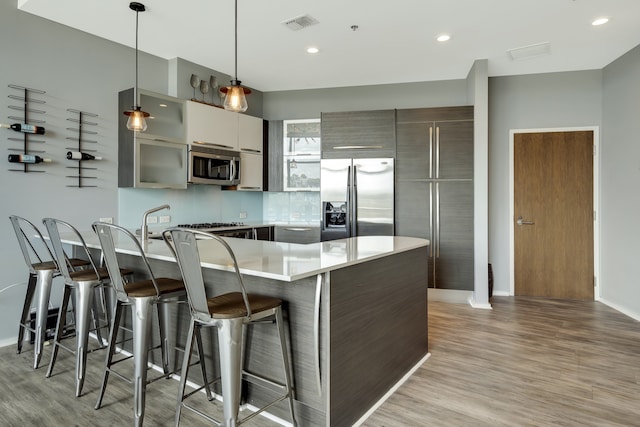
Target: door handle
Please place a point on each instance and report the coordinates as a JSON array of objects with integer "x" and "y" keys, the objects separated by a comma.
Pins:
[{"x": 520, "y": 221}]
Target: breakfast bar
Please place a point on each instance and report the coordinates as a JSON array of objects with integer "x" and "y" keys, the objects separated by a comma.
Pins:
[{"x": 356, "y": 310}]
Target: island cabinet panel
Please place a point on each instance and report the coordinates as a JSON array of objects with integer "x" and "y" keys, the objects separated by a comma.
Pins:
[
  {"x": 378, "y": 330},
  {"x": 358, "y": 134},
  {"x": 434, "y": 189}
]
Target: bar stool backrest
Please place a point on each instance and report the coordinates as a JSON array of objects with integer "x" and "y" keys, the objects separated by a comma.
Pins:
[
  {"x": 183, "y": 244},
  {"x": 107, "y": 234},
  {"x": 53, "y": 229},
  {"x": 32, "y": 244}
]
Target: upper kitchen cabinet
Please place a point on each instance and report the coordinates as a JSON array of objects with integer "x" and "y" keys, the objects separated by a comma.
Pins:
[
  {"x": 435, "y": 143},
  {"x": 358, "y": 134},
  {"x": 250, "y": 130},
  {"x": 211, "y": 125},
  {"x": 156, "y": 158}
]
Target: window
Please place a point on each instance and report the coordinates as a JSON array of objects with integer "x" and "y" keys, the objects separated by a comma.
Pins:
[{"x": 301, "y": 155}]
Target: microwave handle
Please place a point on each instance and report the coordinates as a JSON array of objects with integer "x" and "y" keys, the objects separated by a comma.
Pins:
[{"x": 233, "y": 170}]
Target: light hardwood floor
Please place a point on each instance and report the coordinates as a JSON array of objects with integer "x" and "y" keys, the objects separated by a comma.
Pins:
[{"x": 527, "y": 362}]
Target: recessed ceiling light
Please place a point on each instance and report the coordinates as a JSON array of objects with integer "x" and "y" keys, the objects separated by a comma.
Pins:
[
  {"x": 313, "y": 49},
  {"x": 600, "y": 21},
  {"x": 443, "y": 37}
]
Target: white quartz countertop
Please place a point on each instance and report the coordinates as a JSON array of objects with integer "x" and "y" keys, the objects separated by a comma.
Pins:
[{"x": 277, "y": 260}]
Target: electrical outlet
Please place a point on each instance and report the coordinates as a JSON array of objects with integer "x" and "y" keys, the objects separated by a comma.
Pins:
[
  {"x": 152, "y": 219},
  {"x": 165, "y": 218},
  {"x": 243, "y": 215},
  {"x": 107, "y": 220}
]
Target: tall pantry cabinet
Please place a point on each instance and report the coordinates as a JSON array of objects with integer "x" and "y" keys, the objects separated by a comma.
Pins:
[{"x": 434, "y": 189}]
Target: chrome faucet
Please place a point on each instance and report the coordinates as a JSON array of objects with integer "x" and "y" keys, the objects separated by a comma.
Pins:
[{"x": 144, "y": 231}]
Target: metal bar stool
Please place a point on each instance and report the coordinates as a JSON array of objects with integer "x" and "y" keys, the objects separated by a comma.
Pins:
[
  {"x": 229, "y": 313},
  {"x": 141, "y": 295},
  {"x": 83, "y": 283},
  {"x": 42, "y": 270}
]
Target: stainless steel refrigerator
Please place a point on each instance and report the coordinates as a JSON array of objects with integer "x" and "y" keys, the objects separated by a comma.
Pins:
[{"x": 357, "y": 198}]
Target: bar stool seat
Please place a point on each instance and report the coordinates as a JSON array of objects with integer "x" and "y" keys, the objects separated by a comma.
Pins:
[
  {"x": 42, "y": 270},
  {"x": 140, "y": 295},
  {"x": 229, "y": 313},
  {"x": 82, "y": 283}
]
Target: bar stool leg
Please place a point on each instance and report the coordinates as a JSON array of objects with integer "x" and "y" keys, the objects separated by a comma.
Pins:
[
  {"x": 44, "y": 279},
  {"x": 84, "y": 296},
  {"x": 62, "y": 320},
  {"x": 24, "y": 318},
  {"x": 164, "y": 320},
  {"x": 184, "y": 373},
  {"x": 230, "y": 348},
  {"x": 113, "y": 337},
  {"x": 141, "y": 315},
  {"x": 285, "y": 362},
  {"x": 203, "y": 368}
]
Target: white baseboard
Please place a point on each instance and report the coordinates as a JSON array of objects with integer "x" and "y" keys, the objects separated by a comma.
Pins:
[
  {"x": 472, "y": 302},
  {"x": 449, "y": 295},
  {"x": 501, "y": 293},
  {"x": 391, "y": 391},
  {"x": 9, "y": 341},
  {"x": 633, "y": 315}
]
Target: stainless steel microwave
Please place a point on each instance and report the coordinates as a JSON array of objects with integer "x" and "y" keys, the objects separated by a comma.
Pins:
[{"x": 208, "y": 165}]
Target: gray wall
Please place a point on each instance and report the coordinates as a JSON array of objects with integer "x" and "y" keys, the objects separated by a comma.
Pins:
[
  {"x": 554, "y": 100},
  {"x": 620, "y": 204},
  {"x": 308, "y": 104},
  {"x": 84, "y": 72},
  {"x": 77, "y": 71}
]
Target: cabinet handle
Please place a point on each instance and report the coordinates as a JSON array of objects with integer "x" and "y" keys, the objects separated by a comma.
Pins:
[
  {"x": 218, "y": 145},
  {"x": 249, "y": 188},
  {"x": 437, "y": 220},
  {"x": 431, "y": 236},
  {"x": 297, "y": 229},
  {"x": 437, "y": 151},
  {"x": 358, "y": 147},
  {"x": 251, "y": 150},
  {"x": 430, "y": 151},
  {"x": 316, "y": 332}
]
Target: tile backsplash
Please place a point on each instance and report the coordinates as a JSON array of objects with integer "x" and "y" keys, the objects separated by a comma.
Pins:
[{"x": 288, "y": 207}]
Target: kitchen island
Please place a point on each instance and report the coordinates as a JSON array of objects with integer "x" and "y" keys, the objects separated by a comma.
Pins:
[{"x": 356, "y": 310}]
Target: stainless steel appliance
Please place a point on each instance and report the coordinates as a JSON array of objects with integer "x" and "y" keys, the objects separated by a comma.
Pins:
[
  {"x": 227, "y": 229},
  {"x": 209, "y": 165},
  {"x": 357, "y": 198}
]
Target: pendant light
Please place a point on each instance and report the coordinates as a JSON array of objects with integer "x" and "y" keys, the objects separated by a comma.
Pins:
[
  {"x": 136, "y": 122},
  {"x": 235, "y": 99}
]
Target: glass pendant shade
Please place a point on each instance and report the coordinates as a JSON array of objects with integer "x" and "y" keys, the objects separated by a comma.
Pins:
[
  {"x": 136, "y": 121},
  {"x": 235, "y": 100}
]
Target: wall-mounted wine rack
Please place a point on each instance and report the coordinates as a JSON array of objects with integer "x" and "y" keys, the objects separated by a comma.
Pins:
[
  {"x": 26, "y": 117},
  {"x": 81, "y": 138}
]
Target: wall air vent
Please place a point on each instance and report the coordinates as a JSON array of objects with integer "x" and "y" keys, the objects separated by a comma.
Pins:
[
  {"x": 531, "y": 51},
  {"x": 300, "y": 22}
]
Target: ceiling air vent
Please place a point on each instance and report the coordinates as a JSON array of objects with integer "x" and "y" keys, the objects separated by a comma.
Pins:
[
  {"x": 530, "y": 51},
  {"x": 300, "y": 22}
]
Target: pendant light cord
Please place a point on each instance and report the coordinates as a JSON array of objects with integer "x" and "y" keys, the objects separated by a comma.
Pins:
[
  {"x": 135, "y": 89},
  {"x": 236, "y": 45}
]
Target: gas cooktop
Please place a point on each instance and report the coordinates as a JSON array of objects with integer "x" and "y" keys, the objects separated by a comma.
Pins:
[{"x": 212, "y": 225}]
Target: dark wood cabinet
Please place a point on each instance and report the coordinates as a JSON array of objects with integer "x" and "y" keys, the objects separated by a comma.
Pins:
[
  {"x": 358, "y": 134},
  {"x": 434, "y": 189}
]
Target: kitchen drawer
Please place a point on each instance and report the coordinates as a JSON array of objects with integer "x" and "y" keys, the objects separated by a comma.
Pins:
[{"x": 297, "y": 234}]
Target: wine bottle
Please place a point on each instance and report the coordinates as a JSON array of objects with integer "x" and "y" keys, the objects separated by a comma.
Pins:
[
  {"x": 77, "y": 155},
  {"x": 27, "y": 158},
  {"x": 24, "y": 128}
]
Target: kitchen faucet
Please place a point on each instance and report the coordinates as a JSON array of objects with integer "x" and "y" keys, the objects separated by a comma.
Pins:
[{"x": 144, "y": 231}]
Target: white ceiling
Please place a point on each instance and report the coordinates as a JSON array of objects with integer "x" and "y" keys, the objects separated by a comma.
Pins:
[{"x": 395, "y": 41}]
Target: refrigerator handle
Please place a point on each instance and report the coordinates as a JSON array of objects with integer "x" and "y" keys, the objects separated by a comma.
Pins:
[
  {"x": 437, "y": 220},
  {"x": 349, "y": 220},
  {"x": 354, "y": 196},
  {"x": 431, "y": 220}
]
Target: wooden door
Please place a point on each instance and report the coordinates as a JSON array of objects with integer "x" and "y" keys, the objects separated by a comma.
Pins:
[{"x": 553, "y": 214}]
